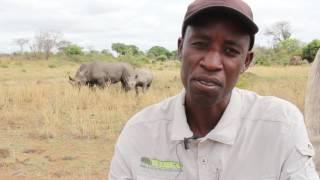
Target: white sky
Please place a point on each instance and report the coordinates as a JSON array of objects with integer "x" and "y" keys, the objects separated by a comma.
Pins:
[{"x": 144, "y": 23}]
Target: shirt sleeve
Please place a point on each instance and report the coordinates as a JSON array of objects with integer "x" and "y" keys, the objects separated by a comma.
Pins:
[
  {"x": 119, "y": 169},
  {"x": 299, "y": 164}
]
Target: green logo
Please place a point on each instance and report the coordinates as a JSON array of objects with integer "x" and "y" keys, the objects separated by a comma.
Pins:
[{"x": 161, "y": 165}]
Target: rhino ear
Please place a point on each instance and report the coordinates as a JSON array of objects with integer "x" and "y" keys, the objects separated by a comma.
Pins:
[{"x": 71, "y": 79}]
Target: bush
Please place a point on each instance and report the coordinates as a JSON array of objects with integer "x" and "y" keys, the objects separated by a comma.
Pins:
[
  {"x": 73, "y": 50},
  {"x": 52, "y": 66},
  {"x": 162, "y": 58},
  {"x": 158, "y": 51},
  {"x": 310, "y": 50},
  {"x": 280, "y": 54}
]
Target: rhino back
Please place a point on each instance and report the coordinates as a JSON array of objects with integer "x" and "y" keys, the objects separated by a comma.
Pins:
[
  {"x": 106, "y": 71},
  {"x": 144, "y": 76}
]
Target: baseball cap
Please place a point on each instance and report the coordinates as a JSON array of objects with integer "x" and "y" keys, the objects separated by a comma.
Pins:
[{"x": 236, "y": 8}]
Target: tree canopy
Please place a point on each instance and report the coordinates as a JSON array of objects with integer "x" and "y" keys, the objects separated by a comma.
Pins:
[
  {"x": 123, "y": 49},
  {"x": 158, "y": 51},
  {"x": 310, "y": 50}
]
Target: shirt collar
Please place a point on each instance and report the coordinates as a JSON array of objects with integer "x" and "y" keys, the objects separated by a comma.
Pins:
[
  {"x": 180, "y": 126},
  {"x": 225, "y": 131},
  {"x": 227, "y": 128}
]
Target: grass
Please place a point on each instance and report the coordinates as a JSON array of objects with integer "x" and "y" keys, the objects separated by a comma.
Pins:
[{"x": 52, "y": 130}]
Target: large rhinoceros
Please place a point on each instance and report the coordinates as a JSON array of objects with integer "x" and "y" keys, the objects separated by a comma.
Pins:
[
  {"x": 312, "y": 99},
  {"x": 101, "y": 74},
  {"x": 143, "y": 79}
]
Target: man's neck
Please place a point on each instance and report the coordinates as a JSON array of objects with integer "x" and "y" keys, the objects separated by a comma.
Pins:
[{"x": 202, "y": 120}]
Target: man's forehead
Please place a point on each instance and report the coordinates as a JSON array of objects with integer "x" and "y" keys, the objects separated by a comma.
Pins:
[
  {"x": 223, "y": 26},
  {"x": 209, "y": 19},
  {"x": 212, "y": 33}
]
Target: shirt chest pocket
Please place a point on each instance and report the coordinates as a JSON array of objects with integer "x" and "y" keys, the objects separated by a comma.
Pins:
[
  {"x": 147, "y": 178},
  {"x": 162, "y": 177},
  {"x": 157, "y": 178}
]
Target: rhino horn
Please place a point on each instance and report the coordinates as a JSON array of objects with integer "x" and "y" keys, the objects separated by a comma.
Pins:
[{"x": 71, "y": 79}]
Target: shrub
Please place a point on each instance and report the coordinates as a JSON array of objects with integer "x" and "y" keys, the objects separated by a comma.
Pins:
[
  {"x": 162, "y": 58},
  {"x": 310, "y": 50},
  {"x": 73, "y": 50}
]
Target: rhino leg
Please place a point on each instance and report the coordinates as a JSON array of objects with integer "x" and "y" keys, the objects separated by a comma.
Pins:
[
  {"x": 144, "y": 87},
  {"x": 124, "y": 86},
  {"x": 108, "y": 82},
  {"x": 148, "y": 86},
  {"x": 101, "y": 83}
]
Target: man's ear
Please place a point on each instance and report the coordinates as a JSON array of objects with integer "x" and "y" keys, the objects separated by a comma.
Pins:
[
  {"x": 248, "y": 61},
  {"x": 180, "y": 44}
]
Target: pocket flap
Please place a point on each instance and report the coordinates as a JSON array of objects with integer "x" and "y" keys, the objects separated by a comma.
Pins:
[{"x": 305, "y": 149}]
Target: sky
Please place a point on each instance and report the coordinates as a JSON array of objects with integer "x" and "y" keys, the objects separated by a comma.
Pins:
[{"x": 96, "y": 24}]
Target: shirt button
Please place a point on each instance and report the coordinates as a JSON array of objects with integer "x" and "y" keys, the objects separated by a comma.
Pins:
[{"x": 203, "y": 161}]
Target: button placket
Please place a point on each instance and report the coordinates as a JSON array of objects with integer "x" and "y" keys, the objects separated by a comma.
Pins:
[{"x": 203, "y": 161}]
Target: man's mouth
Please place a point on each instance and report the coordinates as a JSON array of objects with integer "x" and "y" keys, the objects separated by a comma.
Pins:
[
  {"x": 206, "y": 81},
  {"x": 207, "y": 84}
]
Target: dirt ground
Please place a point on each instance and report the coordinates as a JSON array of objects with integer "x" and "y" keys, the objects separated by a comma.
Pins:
[{"x": 35, "y": 158}]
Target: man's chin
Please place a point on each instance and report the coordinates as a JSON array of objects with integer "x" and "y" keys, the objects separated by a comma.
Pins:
[{"x": 203, "y": 99}]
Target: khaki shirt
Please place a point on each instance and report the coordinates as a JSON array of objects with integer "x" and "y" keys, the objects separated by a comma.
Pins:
[{"x": 257, "y": 138}]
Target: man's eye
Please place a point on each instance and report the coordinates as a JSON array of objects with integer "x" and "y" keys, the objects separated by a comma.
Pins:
[
  {"x": 200, "y": 44},
  {"x": 231, "y": 51}
]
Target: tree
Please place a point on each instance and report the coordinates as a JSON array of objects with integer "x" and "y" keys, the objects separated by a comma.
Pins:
[
  {"x": 174, "y": 55},
  {"x": 45, "y": 42},
  {"x": 21, "y": 42},
  {"x": 123, "y": 49},
  {"x": 310, "y": 50},
  {"x": 73, "y": 50},
  {"x": 120, "y": 48},
  {"x": 279, "y": 31},
  {"x": 106, "y": 52},
  {"x": 157, "y": 51},
  {"x": 263, "y": 55},
  {"x": 133, "y": 50},
  {"x": 280, "y": 54},
  {"x": 61, "y": 45},
  {"x": 291, "y": 46}
]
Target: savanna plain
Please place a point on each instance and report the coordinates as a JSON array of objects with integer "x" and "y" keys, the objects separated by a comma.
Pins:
[{"x": 50, "y": 130}]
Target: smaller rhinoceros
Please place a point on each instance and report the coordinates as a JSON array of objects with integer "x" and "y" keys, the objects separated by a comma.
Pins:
[{"x": 144, "y": 79}]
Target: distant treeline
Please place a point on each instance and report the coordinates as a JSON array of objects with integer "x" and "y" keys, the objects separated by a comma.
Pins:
[
  {"x": 287, "y": 52},
  {"x": 284, "y": 50}
]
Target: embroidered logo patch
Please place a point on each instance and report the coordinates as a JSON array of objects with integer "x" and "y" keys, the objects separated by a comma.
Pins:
[{"x": 160, "y": 165}]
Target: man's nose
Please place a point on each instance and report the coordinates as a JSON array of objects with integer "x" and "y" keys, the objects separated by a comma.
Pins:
[{"x": 212, "y": 61}]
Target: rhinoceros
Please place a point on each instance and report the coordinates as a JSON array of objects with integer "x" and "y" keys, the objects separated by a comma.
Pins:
[
  {"x": 143, "y": 79},
  {"x": 312, "y": 98},
  {"x": 101, "y": 74},
  {"x": 80, "y": 78}
]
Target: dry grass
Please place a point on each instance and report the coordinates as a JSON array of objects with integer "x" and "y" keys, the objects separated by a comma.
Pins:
[
  {"x": 55, "y": 131},
  {"x": 286, "y": 82}
]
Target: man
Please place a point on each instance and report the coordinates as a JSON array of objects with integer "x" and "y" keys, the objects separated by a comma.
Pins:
[{"x": 212, "y": 130}]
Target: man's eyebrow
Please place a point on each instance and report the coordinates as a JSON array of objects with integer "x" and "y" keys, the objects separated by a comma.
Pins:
[
  {"x": 233, "y": 42},
  {"x": 200, "y": 36}
]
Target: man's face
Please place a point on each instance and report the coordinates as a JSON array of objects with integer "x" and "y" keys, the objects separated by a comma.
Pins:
[{"x": 213, "y": 55}]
